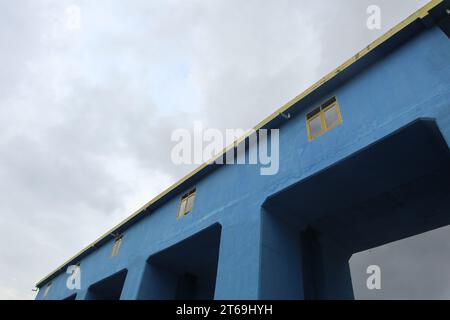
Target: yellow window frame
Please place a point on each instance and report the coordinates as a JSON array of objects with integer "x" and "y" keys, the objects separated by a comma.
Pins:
[
  {"x": 116, "y": 247},
  {"x": 322, "y": 126},
  {"x": 182, "y": 209},
  {"x": 338, "y": 111},
  {"x": 323, "y": 123}
]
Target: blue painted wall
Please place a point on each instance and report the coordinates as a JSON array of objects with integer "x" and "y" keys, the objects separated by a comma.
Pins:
[{"x": 261, "y": 255}]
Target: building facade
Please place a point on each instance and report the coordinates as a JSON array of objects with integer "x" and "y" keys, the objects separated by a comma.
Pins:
[{"x": 364, "y": 161}]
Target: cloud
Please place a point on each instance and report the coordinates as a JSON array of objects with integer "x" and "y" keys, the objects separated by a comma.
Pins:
[
  {"x": 412, "y": 268},
  {"x": 86, "y": 114}
]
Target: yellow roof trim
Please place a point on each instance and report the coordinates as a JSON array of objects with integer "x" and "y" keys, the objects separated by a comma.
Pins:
[{"x": 419, "y": 14}]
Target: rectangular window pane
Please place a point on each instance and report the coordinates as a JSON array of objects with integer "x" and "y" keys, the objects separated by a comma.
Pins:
[
  {"x": 332, "y": 117},
  {"x": 182, "y": 208},
  {"x": 190, "y": 203},
  {"x": 315, "y": 126},
  {"x": 116, "y": 247}
]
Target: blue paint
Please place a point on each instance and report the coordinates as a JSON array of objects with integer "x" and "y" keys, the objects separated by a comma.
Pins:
[{"x": 290, "y": 236}]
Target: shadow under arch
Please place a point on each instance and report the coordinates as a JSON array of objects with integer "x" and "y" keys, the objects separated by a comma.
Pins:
[
  {"x": 109, "y": 288},
  {"x": 185, "y": 270}
]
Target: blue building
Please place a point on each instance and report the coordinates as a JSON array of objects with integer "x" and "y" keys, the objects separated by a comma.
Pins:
[{"x": 364, "y": 161}]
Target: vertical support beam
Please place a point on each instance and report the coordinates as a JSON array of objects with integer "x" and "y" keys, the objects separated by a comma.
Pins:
[
  {"x": 281, "y": 260},
  {"x": 238, "y": 267},
  {"x": 133, "y": 279},
  {"x": 331, "y": 275}
]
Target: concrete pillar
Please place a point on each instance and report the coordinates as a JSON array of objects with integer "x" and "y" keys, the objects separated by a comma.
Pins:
[
  {"x": 133, "y": 280},
  {"x": 281, "y": 260},
  {"x": 329, "y": 268},
  {"x": 238, "y": 267},
  {"x": 301, "y": 264}
]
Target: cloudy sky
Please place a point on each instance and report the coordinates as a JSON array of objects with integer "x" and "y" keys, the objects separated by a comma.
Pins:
[{"x": 86, "y": 111}]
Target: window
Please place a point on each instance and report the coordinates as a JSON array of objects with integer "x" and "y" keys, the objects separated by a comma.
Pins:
[
  {"x": 47, "y": 289},
  {"x": 323, "y": 118},
  {"x": 116, "y": 246},
  {"x": 187, "y": 204}
]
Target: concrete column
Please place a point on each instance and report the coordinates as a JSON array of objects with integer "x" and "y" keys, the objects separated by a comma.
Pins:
[
  {"x": 238, "y": 267},
  {"x": 301, "y": 264},
  {"x": 133, "y": 280},
  {"x": 331, "y": 270},
  {"x": 281, "y": 260}
]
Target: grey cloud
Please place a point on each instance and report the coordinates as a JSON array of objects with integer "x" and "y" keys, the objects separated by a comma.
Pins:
[{"x": 412, "y": 268}]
